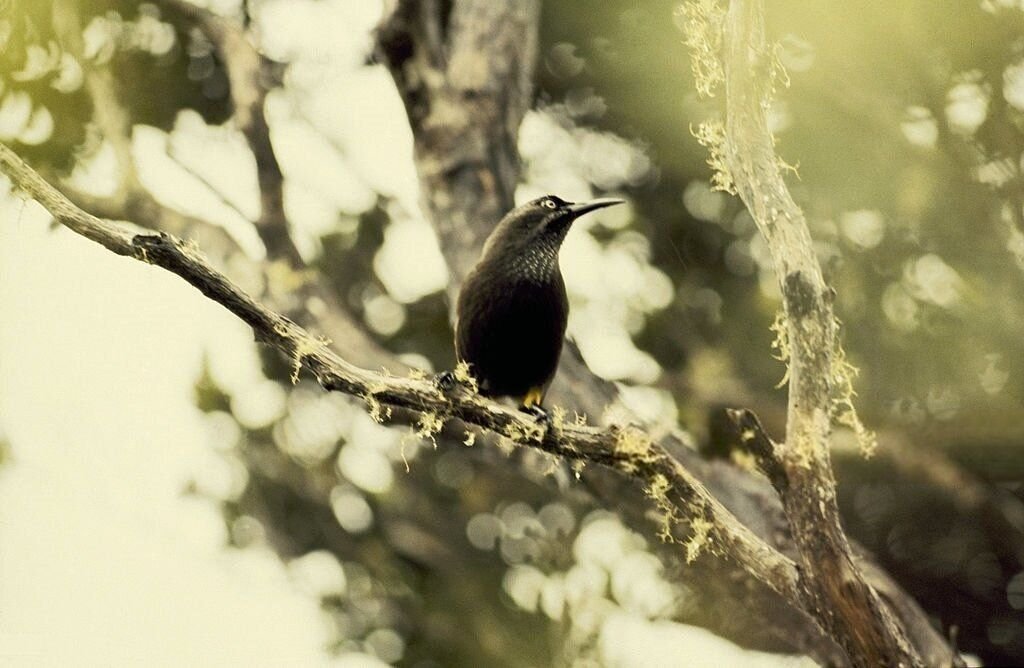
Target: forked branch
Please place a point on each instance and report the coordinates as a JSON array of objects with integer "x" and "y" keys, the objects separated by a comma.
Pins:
[{"x": 833, "y": 587}]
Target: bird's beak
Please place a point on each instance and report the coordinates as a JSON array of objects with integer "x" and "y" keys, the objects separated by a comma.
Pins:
[{"x": 579, "y": 208}]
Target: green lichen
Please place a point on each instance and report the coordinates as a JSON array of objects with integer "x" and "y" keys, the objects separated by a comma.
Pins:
[
  {"x": 842, "y": 409},
  {"x": 633, "y": 443},
  {"x": 777, "y": 73},
  {"x": 406, "y": 439},
  {"x": 463, "y": 375},
  {"x": 701, "y": 528},
  {"x": 700, "y": 537},
  {"x": 524, "y": 432},
  {"x": 377, "y": 411},
  {"x": 558, "y": 416},
  {"x": 786, "y": 167},
  {"x": 428, "y": 426},
  {"x": 712, "y": 136},
  {"x": 657, "y": 491},
  {"x": 304, "y": 346},
  {"x": 702, "y": 22},
  {"x": 780, "y": 344}
]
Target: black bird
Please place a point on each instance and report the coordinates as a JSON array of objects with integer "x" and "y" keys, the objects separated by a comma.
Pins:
[{"x": 512, "y": 310}]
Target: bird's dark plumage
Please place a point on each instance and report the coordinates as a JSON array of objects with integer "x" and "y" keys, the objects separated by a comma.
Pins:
[{"x": 512, "y": 310}]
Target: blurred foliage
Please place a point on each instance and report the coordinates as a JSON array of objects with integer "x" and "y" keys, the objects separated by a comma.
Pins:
[
  {"x": 930, "y": 295},
  {"x": 169, "y": 64},
  {"x": 906, "y": 124},
  {"x": 412, "y": 564}
]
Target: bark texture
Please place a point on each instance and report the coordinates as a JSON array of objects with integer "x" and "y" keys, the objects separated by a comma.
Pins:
[{"x": 832, "y": 585}]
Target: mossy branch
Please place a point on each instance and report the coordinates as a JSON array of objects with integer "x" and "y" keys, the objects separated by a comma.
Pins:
[
  {"x": 833, "y": 587},
  {"x": 682, "y": 497}
]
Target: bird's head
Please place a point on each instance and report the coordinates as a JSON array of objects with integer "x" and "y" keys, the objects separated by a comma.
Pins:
[{"x": 540, "y": 223}]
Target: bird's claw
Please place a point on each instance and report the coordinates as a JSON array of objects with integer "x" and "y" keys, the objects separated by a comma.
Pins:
[
  {"x": 445, "y": 380},
  {"x": 538, "y": 413}
]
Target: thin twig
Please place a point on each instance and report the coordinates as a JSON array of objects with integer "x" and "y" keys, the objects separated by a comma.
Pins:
[
  {"x": 248, "y": 72},
  {"x": 206, "y": 183}
]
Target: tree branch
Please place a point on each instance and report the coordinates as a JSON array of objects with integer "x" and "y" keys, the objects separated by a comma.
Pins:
[
  {"x": 628, "y": 450},
  {"x": 927, "y": 641},
  {"x": 833, "y": 586}
]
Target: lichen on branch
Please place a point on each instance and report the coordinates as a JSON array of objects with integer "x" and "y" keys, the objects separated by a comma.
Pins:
[
  {"x": 702, "y": 24},
  {"x": 742, "y": 155},
  {"x": 627, "y": 450}
]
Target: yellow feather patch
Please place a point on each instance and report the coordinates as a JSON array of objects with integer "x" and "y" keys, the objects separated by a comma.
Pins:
[{"x": 533, "y": 397}]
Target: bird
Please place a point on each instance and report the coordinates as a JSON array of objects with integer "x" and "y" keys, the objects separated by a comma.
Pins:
[{"x": 512, "y": 309}]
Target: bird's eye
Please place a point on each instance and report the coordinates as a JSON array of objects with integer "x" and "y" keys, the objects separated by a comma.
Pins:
[{"x": 548, "y": 204}]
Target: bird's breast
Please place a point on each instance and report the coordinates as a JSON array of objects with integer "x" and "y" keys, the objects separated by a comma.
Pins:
[
  {"x": 528, "y": 301},
  {"x": 511, "y": 325}
]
